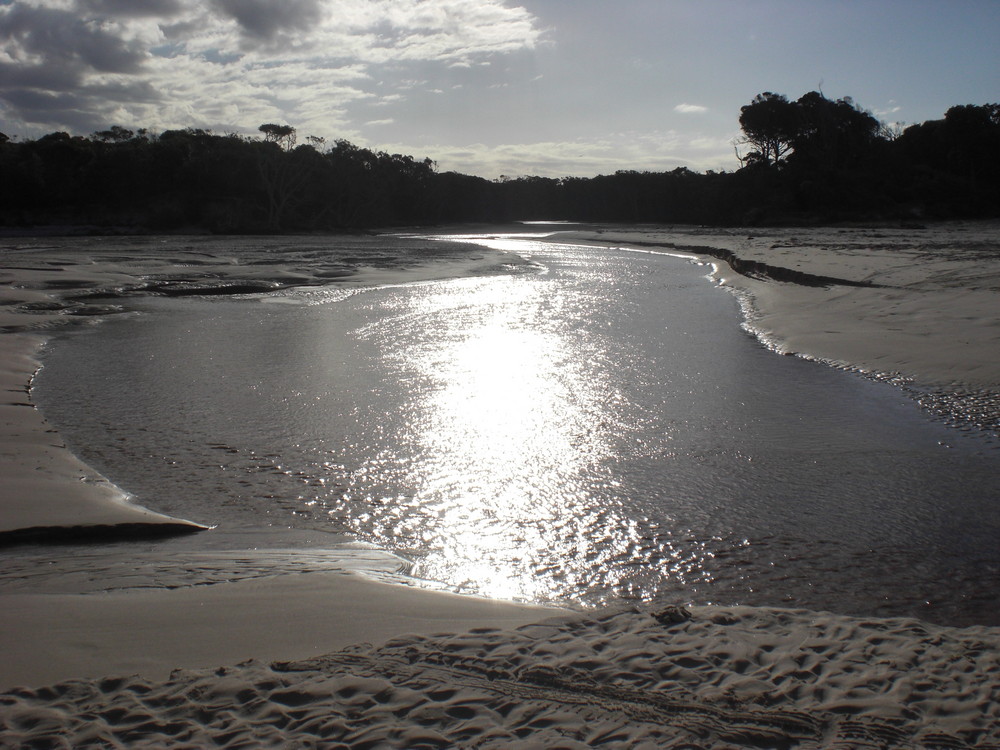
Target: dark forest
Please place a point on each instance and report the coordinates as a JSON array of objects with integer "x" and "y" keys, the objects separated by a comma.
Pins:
[{"x": 808, "y": 161}]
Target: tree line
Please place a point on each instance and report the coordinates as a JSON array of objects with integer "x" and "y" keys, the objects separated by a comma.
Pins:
[{"x": 812, "y": 160}]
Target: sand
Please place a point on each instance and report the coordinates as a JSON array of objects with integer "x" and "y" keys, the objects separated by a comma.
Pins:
[
  {"x": 45, "y": 487},
  {"x": 920, "y": 305},
  {"x": 340, "y": 660},
  {"x": 709, "y": 677},
  {"x": 152, "y": 631}
]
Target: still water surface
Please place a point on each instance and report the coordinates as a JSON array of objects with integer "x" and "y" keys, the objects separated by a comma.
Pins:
[{"x": 593, "y": 429}]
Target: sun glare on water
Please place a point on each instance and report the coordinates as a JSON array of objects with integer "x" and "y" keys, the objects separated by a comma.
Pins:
[{"x": 506, "y": 422}]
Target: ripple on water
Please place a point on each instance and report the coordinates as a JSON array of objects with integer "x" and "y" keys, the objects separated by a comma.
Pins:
[{"x": 600, "y": 432}]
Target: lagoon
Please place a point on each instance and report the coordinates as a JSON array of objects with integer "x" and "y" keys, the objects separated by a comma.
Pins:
[{"x": 590, "y": 426}]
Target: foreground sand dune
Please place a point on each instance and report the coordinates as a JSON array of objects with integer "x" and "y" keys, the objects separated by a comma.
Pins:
[{"x": 709, "y": 678}]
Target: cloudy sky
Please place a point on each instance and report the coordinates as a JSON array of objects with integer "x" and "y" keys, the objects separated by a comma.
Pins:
[{"x": 488, "y": 87}]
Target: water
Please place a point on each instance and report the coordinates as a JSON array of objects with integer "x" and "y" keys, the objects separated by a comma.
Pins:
[{"x": 590, "y": 429}]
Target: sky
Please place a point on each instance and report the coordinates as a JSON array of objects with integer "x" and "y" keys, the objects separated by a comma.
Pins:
[{"x": 493, "y": 88}]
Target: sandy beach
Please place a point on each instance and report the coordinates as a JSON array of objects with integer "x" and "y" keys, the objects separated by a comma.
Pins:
[
  {"x": 919, "y": 304},
  {"x": 327, "y": 658}
]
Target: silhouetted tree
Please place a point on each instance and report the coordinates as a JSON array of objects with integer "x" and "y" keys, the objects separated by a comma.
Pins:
[
  {"x": 832, "y": 133},
  {"x": 115, "y": 134},
  {"x": 813, "y": 160},
  {"x": 770, "y": 124},
  {"x": 952, "y": 165},
  {"x": 283, "y": 135},
  {"x": 972, "y": 135}
]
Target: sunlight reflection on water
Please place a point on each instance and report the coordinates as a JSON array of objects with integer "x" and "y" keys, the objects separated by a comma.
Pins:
[{"x": 507, "y": 423}]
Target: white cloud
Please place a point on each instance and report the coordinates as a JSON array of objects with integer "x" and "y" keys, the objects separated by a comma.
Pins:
[
  {"x": 82, "y": 65},
  {"x": 717, "y": 144},
  {"x": 647, "y": 151},
  {"x": 690, "y": 109},
  {"x": 891, "y": 108}
]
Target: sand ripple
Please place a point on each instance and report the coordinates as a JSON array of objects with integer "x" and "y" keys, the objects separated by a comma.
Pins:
[{"x": 722, "y": 678}]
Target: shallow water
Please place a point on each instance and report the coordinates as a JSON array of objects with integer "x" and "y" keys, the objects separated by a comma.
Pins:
[{"x": 593, "y": 428}]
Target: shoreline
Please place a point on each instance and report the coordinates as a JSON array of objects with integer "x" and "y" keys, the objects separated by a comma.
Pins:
[
  {"x": 878, "y": 300},
  {"x": 48, "y": 491},
  {"x": 94, "y": 634},
  {"x": 916, "y": 309}
]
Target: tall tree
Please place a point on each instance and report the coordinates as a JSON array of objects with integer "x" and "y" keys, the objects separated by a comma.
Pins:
[
  {"x": 283, "y": 135},
  {"x": 833, "y": 134},
  {"x": 769, "y": 124},
  {"x": 972, "y": 147}
]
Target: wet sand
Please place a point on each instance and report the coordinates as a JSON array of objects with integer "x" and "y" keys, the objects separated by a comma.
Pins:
[{"x": 920, "y": 304}]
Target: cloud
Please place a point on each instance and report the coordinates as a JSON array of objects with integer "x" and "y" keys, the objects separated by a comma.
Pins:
[
  {"x": 891, "y": 108},
  {"x": 717, "y": 144},
  {"x": 230, "y": 64},
  {"x": 647, "y": 151},
  {"x": 134, "y": 8},
  {"x": 690, "y": 109},
  {"x": 265, "y": 19},
  {"x": 44, "y": 37}
]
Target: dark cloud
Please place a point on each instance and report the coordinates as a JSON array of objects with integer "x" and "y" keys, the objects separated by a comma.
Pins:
[
  {"x": 179, "y": 31},
  {"x": 133, "y": 91},
  {"x": 45, "y": 76},
  {"x": 32, "y": 100},
  {"x": 64, "y": 110},
  {"x": 134, "y": 8},
  {"x": 59, "y": 37},
  {"x": 80, "y": 110},
  {"x": 265, "y": 19},
  {"x": 82, "y": 65},
  {"x": 56, "y": 53}
]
